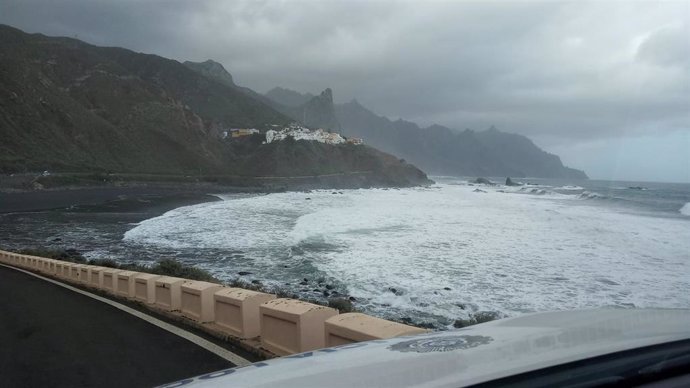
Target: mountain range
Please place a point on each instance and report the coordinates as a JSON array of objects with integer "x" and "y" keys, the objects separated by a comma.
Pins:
[
  {"x": 68, "y": 106},
  {"x": 435, "y": 149}
]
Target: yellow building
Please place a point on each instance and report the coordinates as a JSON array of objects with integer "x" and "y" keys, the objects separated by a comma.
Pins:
[{"x": 239, "y": 132}]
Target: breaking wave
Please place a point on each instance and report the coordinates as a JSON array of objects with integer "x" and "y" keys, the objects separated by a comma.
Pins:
[{"x": 445, "y": 250}]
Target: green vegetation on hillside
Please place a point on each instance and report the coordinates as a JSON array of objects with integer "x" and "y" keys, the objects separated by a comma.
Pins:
[{"x": 70, "y": 107}]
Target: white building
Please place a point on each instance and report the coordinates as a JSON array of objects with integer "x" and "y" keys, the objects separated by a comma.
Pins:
[{"x": 301, "y": 133}]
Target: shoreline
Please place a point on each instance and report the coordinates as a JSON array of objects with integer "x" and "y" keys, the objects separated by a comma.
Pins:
[
  {"x": 40, "y": 192},
  {"x": 147, "y": 200}
]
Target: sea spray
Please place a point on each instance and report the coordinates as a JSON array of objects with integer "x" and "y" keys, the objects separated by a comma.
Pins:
[{"x": 442, "y": 249}]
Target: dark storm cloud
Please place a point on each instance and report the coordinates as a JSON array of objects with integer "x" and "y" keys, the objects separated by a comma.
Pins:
[{"x": 560, "y": 72}]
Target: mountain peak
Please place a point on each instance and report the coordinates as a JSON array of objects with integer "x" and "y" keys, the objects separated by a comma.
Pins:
[
  {"x": 319, "y": 111},
  {"x": 327, "y": 94},
  {"x": 212, "y": 69},
  {"x": 211, "y": 64}
]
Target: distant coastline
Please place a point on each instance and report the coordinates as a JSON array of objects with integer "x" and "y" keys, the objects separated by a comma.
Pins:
[{"x": 35, "y": 191}]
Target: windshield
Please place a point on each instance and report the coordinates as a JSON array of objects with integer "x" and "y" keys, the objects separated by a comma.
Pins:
[{"x": 433, "y": 164}]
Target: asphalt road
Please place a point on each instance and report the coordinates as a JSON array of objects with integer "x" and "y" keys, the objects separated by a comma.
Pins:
[{"x": 53, "y": 337}]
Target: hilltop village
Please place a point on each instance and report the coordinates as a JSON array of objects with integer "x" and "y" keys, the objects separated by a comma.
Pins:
[{"x": 295, "y": 131}]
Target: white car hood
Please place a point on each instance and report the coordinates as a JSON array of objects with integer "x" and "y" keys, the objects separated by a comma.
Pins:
[{"x": 465, "y": 356}]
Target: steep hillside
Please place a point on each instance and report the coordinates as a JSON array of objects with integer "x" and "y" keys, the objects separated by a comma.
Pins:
[
  {"x": 215, "y": 71},
  {"x": 287, "y": 97},
  {"x": 317, "y": 112},
  {"x": 436, "y": 149},
  {"x": 522, "y": 154},
  {"x": 292, "y": 158},
  {"x": 67, "y": 106},
  {"x": 440, "y": 150}
]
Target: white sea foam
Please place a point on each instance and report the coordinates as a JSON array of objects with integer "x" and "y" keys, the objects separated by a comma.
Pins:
[
  {"x": 590, "y": 195},
  {"x": 685, "y": 210},
  {"x": 501, "y": 251}
]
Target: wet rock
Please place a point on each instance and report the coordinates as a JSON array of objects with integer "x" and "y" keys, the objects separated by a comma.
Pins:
[
  {"x": 509, "y": 182},
  {"x": 352, "y": 299},
  {"x": 477, "y": 318},
  {"x": 483, "y": 181},
  {"x": 396, "y": 291},
  {"x": 329, "y": 287}
]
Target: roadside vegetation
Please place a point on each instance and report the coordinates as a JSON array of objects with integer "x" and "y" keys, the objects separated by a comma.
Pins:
[{"x": 171, "y": 267}]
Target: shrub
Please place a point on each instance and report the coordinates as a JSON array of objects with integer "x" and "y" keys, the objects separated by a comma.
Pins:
[
  {"x": 170, "y": 267},
  {"x": 71, "y": 255},
  {"x": 341, "y": 304},
  {"x": 110, "y": 263}
]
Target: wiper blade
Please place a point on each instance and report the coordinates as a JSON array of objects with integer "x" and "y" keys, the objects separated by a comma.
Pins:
[{"x": 666, "y": 365}]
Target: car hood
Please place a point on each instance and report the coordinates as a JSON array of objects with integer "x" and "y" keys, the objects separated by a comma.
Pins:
[{"x": 465, "y": 356}]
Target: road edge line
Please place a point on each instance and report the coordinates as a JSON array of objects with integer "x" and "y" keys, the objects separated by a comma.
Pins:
[{"x": 193, "y": 338}]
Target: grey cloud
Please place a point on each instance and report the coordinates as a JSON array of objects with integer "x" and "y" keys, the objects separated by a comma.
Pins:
[{"x": 667, "y": 47}]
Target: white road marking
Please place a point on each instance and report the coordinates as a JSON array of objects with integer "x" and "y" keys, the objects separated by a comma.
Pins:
[{"x": 195, "y": 339}]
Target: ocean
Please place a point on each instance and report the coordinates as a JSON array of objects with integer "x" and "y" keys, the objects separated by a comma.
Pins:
[{"x": 427, "y": 255}]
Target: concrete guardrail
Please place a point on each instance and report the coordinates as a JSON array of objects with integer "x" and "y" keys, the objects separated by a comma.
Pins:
[
  {"x": 357, "y": 327},
  {"x": 145, "y": 287},
  {"x": 168, "y": 293},
  {"x": 292, "y": 326},
  {"x": 256, "y": 320},
  {"x": 125, "y": 284},
  {"x": 237, "y": 311},
  {"x": 108, "y": 281},
  {"x": 197, "y": 300}
]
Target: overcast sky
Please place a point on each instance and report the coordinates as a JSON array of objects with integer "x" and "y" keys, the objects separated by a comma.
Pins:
[{"x": 605, "y": 85}]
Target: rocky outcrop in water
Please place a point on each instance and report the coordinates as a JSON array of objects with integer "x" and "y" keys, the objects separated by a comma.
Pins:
[{"x": 509, "y": 182}]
